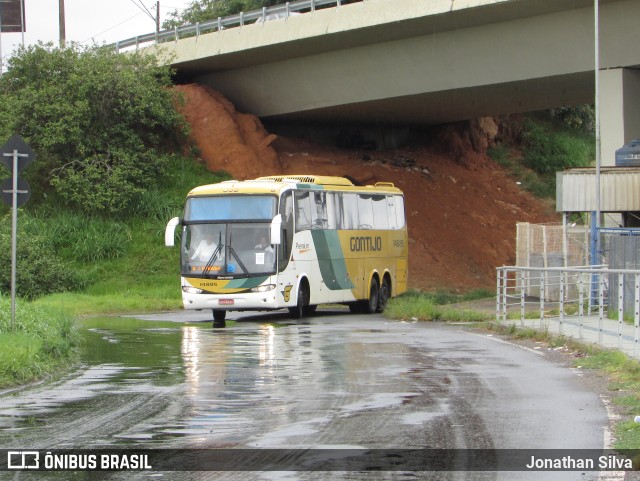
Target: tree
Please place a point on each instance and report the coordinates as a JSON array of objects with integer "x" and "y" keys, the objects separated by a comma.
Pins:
[
  {"x": 203, "y": 10},
  {"x": 97, "y": 119}
]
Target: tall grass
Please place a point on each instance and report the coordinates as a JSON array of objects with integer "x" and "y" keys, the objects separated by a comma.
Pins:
[
  {"x": 549, "y": 149},
  {"x": 78, "y": 237},
  {"x": 41, "y": 341},
  {"x": 435, "y": 307}
]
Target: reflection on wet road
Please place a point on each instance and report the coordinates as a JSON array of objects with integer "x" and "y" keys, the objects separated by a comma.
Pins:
[{"x": 333, "y": 382}]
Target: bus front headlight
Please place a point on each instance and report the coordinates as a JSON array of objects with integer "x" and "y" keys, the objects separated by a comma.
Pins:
[
  {"x": 191, "y": 290},
  {"x": 266, "y": 288}
]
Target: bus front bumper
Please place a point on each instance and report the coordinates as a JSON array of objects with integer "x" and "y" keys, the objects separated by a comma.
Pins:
[{"x": 253, "y": 301}]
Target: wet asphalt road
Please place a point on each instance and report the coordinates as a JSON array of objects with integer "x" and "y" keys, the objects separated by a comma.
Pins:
[{"x": 334, "y": 381}]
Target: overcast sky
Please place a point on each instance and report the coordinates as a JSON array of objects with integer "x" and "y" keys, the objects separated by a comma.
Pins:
[{"x": 88, "y": 21}]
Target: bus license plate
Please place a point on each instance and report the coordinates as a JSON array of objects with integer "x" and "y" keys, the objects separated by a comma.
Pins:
[{"x": 225, "y": 302}]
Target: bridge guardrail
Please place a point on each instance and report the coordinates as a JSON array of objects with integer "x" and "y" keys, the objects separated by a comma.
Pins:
[
  {"x": 588, "y": 302},
  {"x": 222, "y": 23}
]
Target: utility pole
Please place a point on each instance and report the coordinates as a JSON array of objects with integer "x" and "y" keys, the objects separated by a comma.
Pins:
[
  {"x": 63, "y": 41},
  {"x": 1, "y": 60},
  {"x": 23, "y": 27},
  {"x": 596, "y": 14},
  {"x": 158, "y": 16}
]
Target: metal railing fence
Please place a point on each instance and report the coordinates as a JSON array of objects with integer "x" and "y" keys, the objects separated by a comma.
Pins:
[
  {"x": 230, "y": 21},
  {"x": 584, "y": 304}
]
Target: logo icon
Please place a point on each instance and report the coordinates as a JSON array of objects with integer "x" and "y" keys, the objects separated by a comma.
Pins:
[
  {"x": 23, "y": 460},
  {"x": 286, "y": 294}
]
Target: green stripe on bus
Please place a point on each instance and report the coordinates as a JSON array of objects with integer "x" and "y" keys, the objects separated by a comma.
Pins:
[
  {"x": 248, "y": 283},
  {"x": 331, "y": 259}
]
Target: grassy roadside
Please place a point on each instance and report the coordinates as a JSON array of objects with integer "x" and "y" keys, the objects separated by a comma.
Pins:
[
  {"x": 42, "y": 343},
  {"x": 622, "y": 373}
]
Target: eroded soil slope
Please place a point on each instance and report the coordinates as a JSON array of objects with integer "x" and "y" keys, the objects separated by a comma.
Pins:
[{"x": 462, "y": 207}]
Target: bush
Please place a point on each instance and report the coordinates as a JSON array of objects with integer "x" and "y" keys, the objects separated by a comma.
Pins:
[
  {"x": 549, "y": 151},
  {"x": 40, "y": 270},
  {"x": 581, "y": 117},
  {"x": 97, "y": 120}
]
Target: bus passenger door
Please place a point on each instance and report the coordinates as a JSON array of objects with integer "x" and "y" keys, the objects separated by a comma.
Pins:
[{"x": 286, "y": 238}]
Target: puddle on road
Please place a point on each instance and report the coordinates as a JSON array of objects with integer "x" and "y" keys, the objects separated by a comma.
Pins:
[
  {"x": 157, "y": 383},
  {"x": 195, "y": 380}
]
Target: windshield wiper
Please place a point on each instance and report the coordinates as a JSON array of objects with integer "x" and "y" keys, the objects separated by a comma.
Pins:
[{"x": 213, "y": 257}]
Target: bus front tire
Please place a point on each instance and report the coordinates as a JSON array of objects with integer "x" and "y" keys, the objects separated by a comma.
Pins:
[
  {"x": 219, "y": 318},
  {"x": 301, "y": 307}
]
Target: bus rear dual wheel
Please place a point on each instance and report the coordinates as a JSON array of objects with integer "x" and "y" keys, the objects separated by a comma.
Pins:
[{"x": 378, "y": 298}]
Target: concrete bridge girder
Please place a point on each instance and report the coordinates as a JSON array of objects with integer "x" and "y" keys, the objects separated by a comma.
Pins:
[{"x": 411, "y": 61}]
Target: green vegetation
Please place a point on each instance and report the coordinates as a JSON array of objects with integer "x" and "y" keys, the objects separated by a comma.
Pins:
[
  {"x": 546, "y": 146},
  {"x": 203, "y": 10},
  {"x": 102, "y": 124},
  {"x": 549, "y": 149},
  {"x": 434, "y": 307},
  {"x": 43, "y": 341},
  {"x": 624, "y": 374}
]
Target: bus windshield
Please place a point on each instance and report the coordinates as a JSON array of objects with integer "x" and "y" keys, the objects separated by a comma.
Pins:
[
  {"x": 233, "y": 249},
  {"x": 230, "y": 208}
]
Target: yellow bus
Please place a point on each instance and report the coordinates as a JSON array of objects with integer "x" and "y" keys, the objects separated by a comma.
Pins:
[{"x": 291, "y": 241}]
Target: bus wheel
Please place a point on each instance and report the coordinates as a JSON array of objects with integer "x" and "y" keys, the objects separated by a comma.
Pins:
[
  {"x": 385, "y": 293},
  {"x": 310, "y": 310},
  {"x": 218, "y": 318},
  {"x": 300, "y": 309},
  {"x": 355, "y": 307},
  {"x": 371, "y": 305}
]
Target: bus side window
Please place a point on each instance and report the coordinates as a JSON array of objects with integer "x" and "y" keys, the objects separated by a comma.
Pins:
[
  {"x": 391, "y": 212},
  {"x": 303, "y": 210},
  {"x": 286, "y": 210},
  {"x": 335, "y": 210},
  {"x": 400, "y": 218},
  {"x": 349, "y": 212},
  {"x": 331, "y": 211},
  {"x": 365, "y": 211},
  {"x": 319, "y": 218},
  {"x": 380, "y": 220}
]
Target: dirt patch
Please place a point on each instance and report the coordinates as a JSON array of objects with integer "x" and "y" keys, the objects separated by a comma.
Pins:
[
  {"x": 228, "y": 140},
  {"x": 462, "y": 208}
]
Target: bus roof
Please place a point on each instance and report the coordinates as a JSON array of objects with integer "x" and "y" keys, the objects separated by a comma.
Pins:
[{"x": 274, "y": 184}]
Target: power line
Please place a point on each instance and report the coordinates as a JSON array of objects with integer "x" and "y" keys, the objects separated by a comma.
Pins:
[
  {"x": 144, "y": 9},
  {"x": 111, "y": 28}
]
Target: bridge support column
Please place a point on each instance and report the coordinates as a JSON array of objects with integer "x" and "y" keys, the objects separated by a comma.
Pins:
[
  {"x": 619, "y": 118},
  {"x": 619, "y": 110}
]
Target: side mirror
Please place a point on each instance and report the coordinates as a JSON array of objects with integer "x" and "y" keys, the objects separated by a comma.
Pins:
[
  {"x": 170, "y": 231},
  {"x": 276, "y": 225}
]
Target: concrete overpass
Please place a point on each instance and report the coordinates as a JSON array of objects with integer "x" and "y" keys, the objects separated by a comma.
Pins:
[{"x": 427, "y": 61}]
